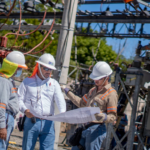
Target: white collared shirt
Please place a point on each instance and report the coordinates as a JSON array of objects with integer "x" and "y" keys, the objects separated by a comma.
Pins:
[{"x": 39, "y": 96}]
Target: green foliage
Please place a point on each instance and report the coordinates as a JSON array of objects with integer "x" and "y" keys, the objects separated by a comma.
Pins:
[{"x": 85, "y": 46}]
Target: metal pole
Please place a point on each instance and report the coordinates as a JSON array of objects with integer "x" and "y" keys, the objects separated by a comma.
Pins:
[
  {"x": 65, "y": 67},
  {"x": 61, "y": 40},
  {"x": 76, "y": 79},
  {"x": 64, "y": 47},
  {"x": 117, "y": 81},
  {"x": 108, "y": 137},
  {"x": 134, "y": 108}
]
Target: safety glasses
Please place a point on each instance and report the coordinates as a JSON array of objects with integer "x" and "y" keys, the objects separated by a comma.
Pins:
[{"x": 46, "y": 69}]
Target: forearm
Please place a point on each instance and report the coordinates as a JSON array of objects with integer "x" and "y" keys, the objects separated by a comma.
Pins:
[
  {"x": 75, "y": 99},
  {"x": 107, "y": 118},
  {"x": 111, "y": 118}
]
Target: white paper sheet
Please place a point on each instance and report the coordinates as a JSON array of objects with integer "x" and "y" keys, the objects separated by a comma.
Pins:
[{"x": 80, "y": 115}]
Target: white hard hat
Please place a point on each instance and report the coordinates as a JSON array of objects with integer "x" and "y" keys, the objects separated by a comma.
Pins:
[
  {"x": 17, "y": 58},
  {"x": 47, "y": 60},
  {"x": 100, "y": 70}
]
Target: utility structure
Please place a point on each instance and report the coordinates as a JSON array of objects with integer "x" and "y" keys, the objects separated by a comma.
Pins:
[
  {"x": 135, "y": 84},
  {"x": 114, "y": 19},
  {"x": 64, "y": 49},
  {"x": 133, "y": 75}
]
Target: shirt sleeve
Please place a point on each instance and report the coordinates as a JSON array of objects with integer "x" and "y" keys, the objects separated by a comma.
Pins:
[
  {"x": 13, "y": 104},
  {"x": 111, "y": 114},
  {"x": 112, "y": 107},
  {"x": 59, "y": 98},
  {"x": 4, "y": 98},
  {"x": 21, "y": 97},
  {"x": 78, "y": 101}
]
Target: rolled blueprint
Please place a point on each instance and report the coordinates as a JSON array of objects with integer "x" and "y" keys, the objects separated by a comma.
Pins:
[{"x": 76, "y": 116}]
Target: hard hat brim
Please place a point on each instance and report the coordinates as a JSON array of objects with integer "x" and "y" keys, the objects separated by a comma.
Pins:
[
  {"x": 23, "y": 66},
  {"x": 99, "y": 77},
  {"x": 46, "y": 65}
]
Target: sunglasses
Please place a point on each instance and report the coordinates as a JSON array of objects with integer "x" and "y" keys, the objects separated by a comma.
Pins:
[{"x": 46, "y": 69}]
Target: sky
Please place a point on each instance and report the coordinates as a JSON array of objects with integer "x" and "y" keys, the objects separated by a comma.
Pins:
[{"x": 131, "y": 43}]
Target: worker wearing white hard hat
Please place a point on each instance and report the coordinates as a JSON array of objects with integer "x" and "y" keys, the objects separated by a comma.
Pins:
[
  {"x": 12, "y": 66},
  {"x": 37, "y": 95},
  {"x": 105, "y": 97}
]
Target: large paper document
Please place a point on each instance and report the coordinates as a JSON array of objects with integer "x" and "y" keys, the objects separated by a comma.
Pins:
[{"x": 80, "y": 115}]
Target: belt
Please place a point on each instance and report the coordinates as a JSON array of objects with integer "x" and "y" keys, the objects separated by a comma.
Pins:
[
  {"x": 92, "y": 124},
  {"x": 11, "y": 113}
]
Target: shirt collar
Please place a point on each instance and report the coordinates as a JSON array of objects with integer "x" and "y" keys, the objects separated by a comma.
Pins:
[
  {"x": 105, "y": 88},
  {"x": 40, "y": 80}
]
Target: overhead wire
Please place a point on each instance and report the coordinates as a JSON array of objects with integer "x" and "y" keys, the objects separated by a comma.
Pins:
[
  {"x": 18, "y": 46},
  {"x": 42, "y": 49},
  {"x": 44, "y": 37},
  {"x": 19, "y": 24},
  {"x": 121, "y": 51},
  {"x": 27, "y": 53},
  {"x": 10, "y": 9},
  {"x": 30, "y": 32},
  {"x": 8, "y": 14}
]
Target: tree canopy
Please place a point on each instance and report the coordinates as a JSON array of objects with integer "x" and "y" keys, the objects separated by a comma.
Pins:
[{"x": 84, "y": 50}]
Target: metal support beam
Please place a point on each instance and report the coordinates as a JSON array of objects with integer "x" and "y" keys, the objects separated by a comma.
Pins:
[
  {"x": 116, "y": 18},
  {"x": 30, "y": 27},
  {"x": 119, "y": 35},
  {"x": 105, "y": 2},
  {"x": 143, "y": 3},
  {"x": 116, "y": 139},
  {"x": 108, "y": 136},
  {"x": 39, "y": 15},
  {"x": 122, "y": 139},
  {"x": 117, "y": 81},
  {"x": 125, "y": 91},
  {"x": 134, "y": 108},
  {"x": 113, "y": 19}
]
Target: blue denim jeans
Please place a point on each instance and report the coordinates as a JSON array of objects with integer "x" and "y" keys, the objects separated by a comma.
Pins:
[
  {"x": 10, "y": 127},
  {"x": 44, "y": 129},
  {"x": 92, "y": 137}
]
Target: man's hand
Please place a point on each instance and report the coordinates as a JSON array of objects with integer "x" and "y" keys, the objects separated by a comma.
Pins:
[
  {"x": 99, "y": 117},
  {"x": 3, "y": 134},
  {"x": 64, "y": 89},
  {"x": 28, "y": 114}
]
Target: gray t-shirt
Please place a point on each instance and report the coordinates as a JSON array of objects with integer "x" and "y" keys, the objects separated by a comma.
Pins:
[{"x": 8, "y": 99}]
